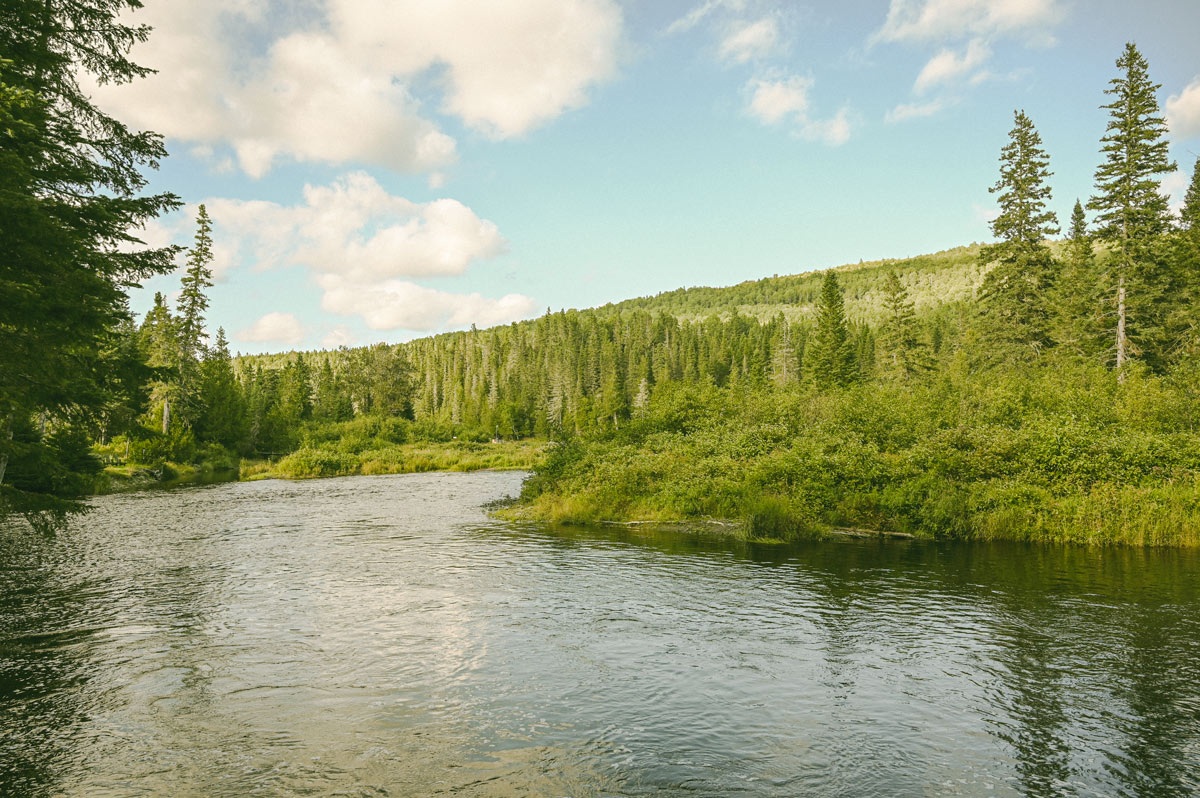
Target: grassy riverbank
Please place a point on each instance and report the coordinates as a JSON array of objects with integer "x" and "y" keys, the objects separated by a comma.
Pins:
[
  {"x": 334, "y": 460},
  {"x": 1048, "y": 454}
]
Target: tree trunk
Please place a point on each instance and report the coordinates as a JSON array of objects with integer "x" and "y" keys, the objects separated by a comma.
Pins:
[
  {"x": 1121, "y": 342},
  {"x": 8, "y": 433},
  {"x": 166, "y": 416}
]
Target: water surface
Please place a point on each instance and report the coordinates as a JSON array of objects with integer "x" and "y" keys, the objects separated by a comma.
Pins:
[{"x": 382, "y": 636}]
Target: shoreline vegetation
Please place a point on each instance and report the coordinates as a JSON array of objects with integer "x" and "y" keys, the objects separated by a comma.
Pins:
[{"x": 320, "y": 462}]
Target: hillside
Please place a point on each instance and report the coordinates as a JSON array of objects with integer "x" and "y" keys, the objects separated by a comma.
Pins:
[{"x": 578, "y": 369}]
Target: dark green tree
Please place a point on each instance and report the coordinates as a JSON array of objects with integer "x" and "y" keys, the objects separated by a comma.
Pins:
[
  {"x": 222, "y": 406},
  {"x": 904, "y": 353},
  {"x": 71, "y": 201},
  {"x": 1016, "y": 291},
  {"x": 1131, "y": 213},
  {"x": 830, "y": 354},
  {"x": 1080, "y": 304}
]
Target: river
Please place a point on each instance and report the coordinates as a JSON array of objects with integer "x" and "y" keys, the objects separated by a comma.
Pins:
[{"x": 382, "y": 636}]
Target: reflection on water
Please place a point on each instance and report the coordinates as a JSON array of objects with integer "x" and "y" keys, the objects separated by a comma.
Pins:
[{"x": 381, "y": 636}]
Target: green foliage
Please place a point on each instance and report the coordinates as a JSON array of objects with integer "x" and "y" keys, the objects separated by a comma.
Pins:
[
  {"x": 1031, "y": 453},
  {"x": 830, "y": 352},
  {"x": 1131, "y": 213},
  {"x": 1016, "y": 294},
  {"x": 71, "y": 194}
]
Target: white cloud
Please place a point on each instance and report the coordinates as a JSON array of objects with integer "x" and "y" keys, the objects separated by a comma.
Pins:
[
  {"x": 772, "y": 100},
  {"x": 355, "y": 227},
  {"x": 399, "y": 304},
  {"x": 1183, "y": 111},
  {"x": 336, "y": 85},
  {"x": 932, "y": 20},
  {"x": 914, "y": 110},
  {"x": 833, "y": 132},
  {"x": 693, "y": 18},
  {"x": 948, "y": 65},
  {"x": 1174, "y": 186},
  {"x": 338, "y": 336},
  {"x": 750, "y": 40},
  {"x": 775, "y": 100},
  {"x": 360, "y": 242},
  {"x": 275, "y": 327},
  {"x": 985, "y": 213}
]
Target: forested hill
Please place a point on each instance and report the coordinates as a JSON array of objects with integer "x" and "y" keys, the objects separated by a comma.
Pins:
[
  {"x": 582, "y": 369},
  {"x": 944, "y": 277}
]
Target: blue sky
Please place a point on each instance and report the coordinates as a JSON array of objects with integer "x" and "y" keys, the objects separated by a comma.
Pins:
[{"x": 382, "y": 169}]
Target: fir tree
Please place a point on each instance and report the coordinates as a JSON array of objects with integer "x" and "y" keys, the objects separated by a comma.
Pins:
[
  {"x": 71, "y": 192},
  {"x": 193, "y": 301},
  {"x": 1016, "y": 292},
  {"x": 904, "y": 352},
  {"x": 1131, "y": 213},
  {"x": 830, "y": 354},
  {"x": 222, "y": 405},
  {"x": 1079, "y": 305}
]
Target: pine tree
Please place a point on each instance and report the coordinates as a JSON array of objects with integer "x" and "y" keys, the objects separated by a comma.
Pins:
[
  {"x": 830, "y": 355},
  {"x": 904, "y": 355},
  {"x": 193, "y": 301},
  {"x": 222, "y": 406},
  {"x": 1016, "y": 292},
  {"x": 1186, "y": 260},
  {"x": 1131, "y": 213},
  {"x": 71, "y": 192},
  {"x": 1079, "y": 305},
  {"x": 1189, "y": 215}
]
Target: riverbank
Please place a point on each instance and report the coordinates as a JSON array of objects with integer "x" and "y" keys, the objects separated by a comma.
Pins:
[
  {"x": 407, "y": 458},
  {"x": 318, "y": 462},
  {"x": 1044, "y": 455}
]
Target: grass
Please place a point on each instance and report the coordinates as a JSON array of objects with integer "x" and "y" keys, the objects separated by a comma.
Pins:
[{"x": 329, "y": 461}]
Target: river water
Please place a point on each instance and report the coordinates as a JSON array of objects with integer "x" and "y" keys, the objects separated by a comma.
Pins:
[{"x": 382, "y": 636}]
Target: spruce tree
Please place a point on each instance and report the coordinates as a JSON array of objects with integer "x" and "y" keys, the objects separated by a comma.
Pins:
[
  {"x": 1186, "y": 262},
  {"x": 71, "y": 198},
  {"x": 193, "y": 301},
  {"x": 1131, "y": 213},
  {"x": 904, "y": 354},
  {"x": 1016, "y": 291},
  {"x": 1079, "y": 304},
  {"x": 830, "y": 355}
]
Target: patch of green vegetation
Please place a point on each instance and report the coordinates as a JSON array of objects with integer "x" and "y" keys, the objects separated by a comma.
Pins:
[
  {"x": 380, "y": 457},
  {"x": 1048, "y": 453}
]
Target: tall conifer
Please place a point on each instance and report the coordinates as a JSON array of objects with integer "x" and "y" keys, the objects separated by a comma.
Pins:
[
  {"x": 830, "y": 354},
  {"x": 1131, "y": 213},
  {"x": 1016, "y": 292}
]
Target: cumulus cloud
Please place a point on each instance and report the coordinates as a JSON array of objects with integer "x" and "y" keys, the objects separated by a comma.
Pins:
[
  {"x": 932, "y": 20},
  {"x": 786, "y": 99},
  {"x": 363, "y": 245},
  {"x": 914, "y": 110},
  {"x": 750, "y": 40},
  {"x": 773, "y": 100},
  {"x": 355, "y": 227},
  {"x": 1183, "y": 111},
  {"x": 337, "y": 84},
  {"x": 948, "y": 65},
  {"x": 275, "y": 328},
  {"x": 833, "y": 132},
  {"x": 338, "y": 336},
  {"x": 400, "y": 304}
]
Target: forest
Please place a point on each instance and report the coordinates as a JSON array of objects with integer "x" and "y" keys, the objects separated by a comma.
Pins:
[{"x": 1043, "y": 386}]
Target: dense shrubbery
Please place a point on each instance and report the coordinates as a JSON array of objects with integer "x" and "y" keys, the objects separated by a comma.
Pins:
[{"x": 1052, "y": 453}]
